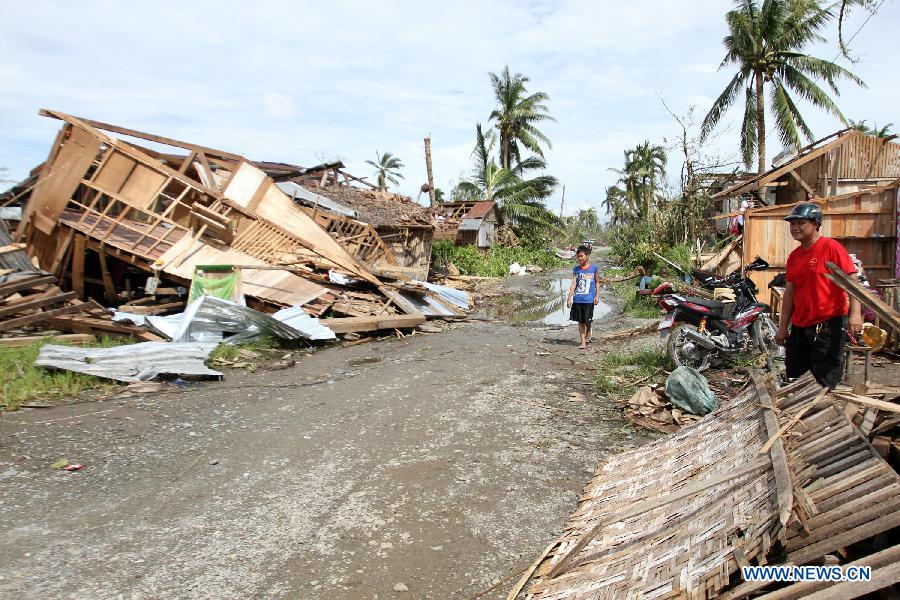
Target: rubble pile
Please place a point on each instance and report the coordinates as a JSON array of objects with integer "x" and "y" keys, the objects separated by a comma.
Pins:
[{"x": 108, "y": 223}]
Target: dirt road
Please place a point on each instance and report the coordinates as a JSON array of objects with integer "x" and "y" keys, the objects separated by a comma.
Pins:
[{"x": 435, "y": 464}]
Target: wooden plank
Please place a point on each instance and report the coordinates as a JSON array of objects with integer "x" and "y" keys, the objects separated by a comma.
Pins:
[
  {"x": 75, "y": 339},
  {"x": 869, "y": 402},
  {"x": 112, "y": 296},
  {"x": 11, "y": 248},
  {"x": 855, "y": 289},
  {"x": 805, "y": 185},
  {"x": 884, "y": 558},
  {"x": 78, "y": 266},
  {"x": 775, "y": 437},
  {"x": 159, "y": 139},
  {"x": 356, "y": 324},
  {"x": 783, "y": 485},
  {"x": 845, "y": 538},
  {"x": 45, "y": 301},
  {"x": 38, "y": 317},
  {"x": 881, "y": 578},
  {"x": 12, "y": 287}
]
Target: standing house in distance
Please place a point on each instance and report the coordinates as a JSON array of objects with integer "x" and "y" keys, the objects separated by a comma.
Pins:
[
  {"x": 468, "y": 223},
  {"x": 854, "y": 177}
]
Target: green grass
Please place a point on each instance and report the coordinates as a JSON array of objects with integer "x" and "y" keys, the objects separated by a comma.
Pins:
[
  {"x": 21, "y": 382},
  {"x": 642, "y": 307},
  {"x": 618, "y": 371}
]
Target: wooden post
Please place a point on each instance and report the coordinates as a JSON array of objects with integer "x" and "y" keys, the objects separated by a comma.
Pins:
[
  {"x": 562, "y": 201},
  {"x": 109, "y": 288},
  {"x": 430, "y": 173},
  {"x": 78, "y": 267}
]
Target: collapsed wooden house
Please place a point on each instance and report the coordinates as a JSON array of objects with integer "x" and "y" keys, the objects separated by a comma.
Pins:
[
  {"x": 772, "y": 477},
  {"x": 131, "y": 211},
  {"x": 347, "y": 204},
  {"x": 468, "y": 223},
  {"x": 853, "y": 176}
]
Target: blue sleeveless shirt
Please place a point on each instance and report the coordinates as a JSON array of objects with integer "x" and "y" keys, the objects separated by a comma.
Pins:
[{"x": 585, "y": 284}]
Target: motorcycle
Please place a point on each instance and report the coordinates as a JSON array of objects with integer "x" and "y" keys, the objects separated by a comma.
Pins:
[{"x": 700, "y": 332}]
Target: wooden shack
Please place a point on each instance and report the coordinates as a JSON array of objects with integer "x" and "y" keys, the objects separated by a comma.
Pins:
[
  {"x": 468, "y": 223},
  {"x": 865, "y": 222},
  {"x": 853, "y": 176}
]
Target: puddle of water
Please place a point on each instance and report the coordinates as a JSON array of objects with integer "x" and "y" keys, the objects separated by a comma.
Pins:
[{"x": 547, "y": 307}]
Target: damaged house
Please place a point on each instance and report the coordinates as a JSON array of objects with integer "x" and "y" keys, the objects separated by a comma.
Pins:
[
  {"x": 105, "y": 217},
  {"x": 468, "y": 223}
]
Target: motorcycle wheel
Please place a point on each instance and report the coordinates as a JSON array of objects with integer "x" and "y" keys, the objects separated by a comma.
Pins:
[
  {"x": 764, "y": 336},
  {"x": 684, "y": 352}
]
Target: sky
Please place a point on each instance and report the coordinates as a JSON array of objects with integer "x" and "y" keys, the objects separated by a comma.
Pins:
[{"x": 304, "y": 82}]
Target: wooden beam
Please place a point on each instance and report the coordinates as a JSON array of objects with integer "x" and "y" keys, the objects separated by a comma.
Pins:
[
  {"x": 112, "y": 296},
  {"x": 38, "y": 303},
  {"x": 78, "y": 266},
  {"x": 159, "y": 139},
  {"x": 11, "y": 248},
  {"x": 75, "y": 339},
  {"x": 37, "y": 317},
  {"x": 855, "y": 289},
  {"x": 805, "y": 185},
  {"x": 355, "y": 324},
  {"x": 18, "y": 285},
  {"x": 784, "y": 489}
]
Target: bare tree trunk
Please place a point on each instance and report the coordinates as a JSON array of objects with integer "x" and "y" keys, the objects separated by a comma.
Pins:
[
  {"x": 431, "y": 198},
  {"x": 760, "y": 123}
]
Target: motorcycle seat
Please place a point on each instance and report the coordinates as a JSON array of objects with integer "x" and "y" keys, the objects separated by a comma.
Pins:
[{"x": 710, "y": 304}]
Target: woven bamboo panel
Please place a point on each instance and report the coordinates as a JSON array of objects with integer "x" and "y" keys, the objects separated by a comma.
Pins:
[{"x": 677, "y": 518}]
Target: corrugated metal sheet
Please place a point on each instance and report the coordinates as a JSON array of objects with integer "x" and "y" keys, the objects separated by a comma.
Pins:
[
  {"x": 480, "y": 210},
  {"x": 17, "y": 260},
  {"x": 135, "y": 362},
  {"x": 210, "y": 319},
  {"x": 454, "y": 296},
  {"x": 470, "y": 224}
]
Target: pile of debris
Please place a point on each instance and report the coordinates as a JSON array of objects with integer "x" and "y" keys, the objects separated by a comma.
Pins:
[
  {"x": 772, "y": 477},
  {"x": 107, "y": 223}
]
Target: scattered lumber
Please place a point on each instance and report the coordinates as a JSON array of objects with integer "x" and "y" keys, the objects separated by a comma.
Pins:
[
  {"x": 357, "y": 324},
  {"x": 73, "y": 339},
  {"x": 852, "y": 286}
]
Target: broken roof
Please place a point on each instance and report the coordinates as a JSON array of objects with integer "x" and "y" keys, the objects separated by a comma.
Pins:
[
  {"x": 874, "y": 154},
  {"x": 378, "y": 208},
  {"x": 480, "y": 210}
]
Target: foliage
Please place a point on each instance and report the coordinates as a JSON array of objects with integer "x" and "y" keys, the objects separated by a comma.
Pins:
[
  {"x": 519, "y": 199},
  {"x": 494, "y": 263},
  {"x": 873, "y": 130},
  {"x": 644, "y": 171},
  {"x": 516, "y": 116},
  {"x": 387, "y": 169},
  {"x": 766, "y": 41},
  {"x": 617, "y": 370},
  {"x": 21, "y": 381}
]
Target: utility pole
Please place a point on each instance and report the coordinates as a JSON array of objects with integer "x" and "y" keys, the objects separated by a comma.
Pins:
[
  {"x": 428, "y": 169},
  {"x": 562, "y": 201}
]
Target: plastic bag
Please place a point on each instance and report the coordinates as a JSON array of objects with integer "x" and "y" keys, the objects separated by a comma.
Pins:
[{"x": 687, "y": 389}]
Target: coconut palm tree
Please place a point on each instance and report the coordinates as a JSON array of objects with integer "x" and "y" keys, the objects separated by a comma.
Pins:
[
  {"x": 765, "y": 42},
  {"x": 645, "y": 169},
  {"x": 615, "y": 203},
  {"x": 519, "y": 199},
  {"x": 386, "y": 166},
  {"x": 516, "y": 115},
  {"x": 873, "y": 131}
]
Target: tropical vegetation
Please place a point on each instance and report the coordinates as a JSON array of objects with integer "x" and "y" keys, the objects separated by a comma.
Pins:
[
  {"x": 766, "y": 43},
  {"x": 516, "y": 117},
  {"x": 387, "y": 169}
]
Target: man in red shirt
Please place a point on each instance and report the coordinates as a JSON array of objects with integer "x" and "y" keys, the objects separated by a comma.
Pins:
[{"x": 814, "y": 306}]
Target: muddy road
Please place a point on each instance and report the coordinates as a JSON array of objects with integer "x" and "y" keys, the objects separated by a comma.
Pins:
[{"x": 423, "y": 467}]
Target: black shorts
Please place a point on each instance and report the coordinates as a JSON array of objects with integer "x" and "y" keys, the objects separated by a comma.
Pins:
[
  {"x": 817, "y": 348},
  {"x": 582, "y": 312}
]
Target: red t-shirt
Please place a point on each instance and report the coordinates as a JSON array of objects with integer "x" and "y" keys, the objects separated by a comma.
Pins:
[{"x": 817, "y": 298}]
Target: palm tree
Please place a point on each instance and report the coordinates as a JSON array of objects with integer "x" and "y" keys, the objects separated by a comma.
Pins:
[
  {"x": 519, "y": 199},
  {"x": 615, "y": 204},
  {"x": 873, "y": 131},
  {"x": 516, "y": 115},
  {"x": 387, "y": 166},
  {"x": 645, "y": 168},
  {"x": 766, "y": 42}
]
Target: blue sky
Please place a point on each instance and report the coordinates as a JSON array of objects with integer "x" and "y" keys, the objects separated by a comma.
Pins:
[{"x": 300, "y": 82}]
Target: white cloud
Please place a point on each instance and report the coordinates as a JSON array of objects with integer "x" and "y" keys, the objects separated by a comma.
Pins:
[
  {"x": 363, "y": 77},
  {"x": 278, "y": 105}
]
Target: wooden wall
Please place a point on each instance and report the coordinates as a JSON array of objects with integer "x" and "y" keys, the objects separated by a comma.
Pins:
[{"x": 865, "y": 223}]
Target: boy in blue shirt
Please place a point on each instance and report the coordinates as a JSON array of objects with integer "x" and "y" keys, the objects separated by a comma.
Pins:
[{"x": 584, "y": 293}]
